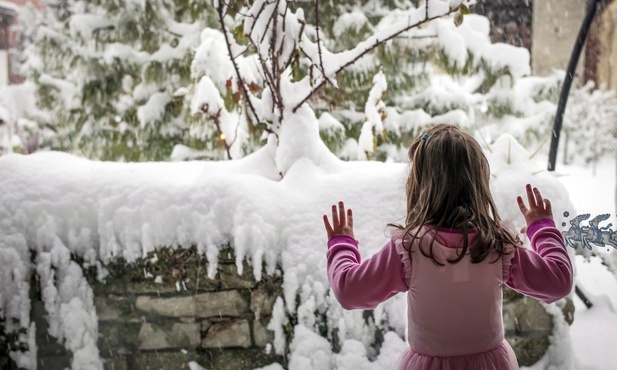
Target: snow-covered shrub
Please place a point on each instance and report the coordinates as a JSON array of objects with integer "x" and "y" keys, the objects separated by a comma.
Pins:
[{"x": 590, "y": 124}]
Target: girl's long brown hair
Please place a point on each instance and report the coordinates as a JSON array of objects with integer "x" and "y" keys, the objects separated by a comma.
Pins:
[{"x": 448, "y": 187}]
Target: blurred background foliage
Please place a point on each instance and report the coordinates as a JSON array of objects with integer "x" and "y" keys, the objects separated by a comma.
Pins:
[{"x": 114, "y": 80}]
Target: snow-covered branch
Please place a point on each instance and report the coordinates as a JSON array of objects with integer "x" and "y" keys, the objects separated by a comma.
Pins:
[{"x": 337, "y": 63}]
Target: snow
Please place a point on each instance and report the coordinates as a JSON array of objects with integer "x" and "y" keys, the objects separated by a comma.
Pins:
[
  {"x": 374, "y": 109},
  {"x": 474, "y": 35},
  {"x": 354, "y": 20},
  {"x": 85, "y": 25},
  {"x": 55, "y": 204},
  {"x": 153, "y": 110},
  {"x": 593, "y": 331},
  {"x": 206, "y": 98}
]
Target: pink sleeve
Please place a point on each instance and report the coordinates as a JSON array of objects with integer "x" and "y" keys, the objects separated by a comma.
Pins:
[
  {"x": 363, "y": 285},
  {"x": 545, "y": 272}
]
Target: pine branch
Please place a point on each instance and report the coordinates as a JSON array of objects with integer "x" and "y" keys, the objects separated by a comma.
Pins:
[{"x": 370, "y": 48}]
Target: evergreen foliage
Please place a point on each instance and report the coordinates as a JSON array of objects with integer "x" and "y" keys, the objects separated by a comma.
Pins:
[
  {"x": 109, "y": 72},
  {"x": 118, "y": 78}
]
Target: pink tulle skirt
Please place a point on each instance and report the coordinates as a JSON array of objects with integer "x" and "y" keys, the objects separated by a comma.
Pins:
[{"x": 500, "y": 358}]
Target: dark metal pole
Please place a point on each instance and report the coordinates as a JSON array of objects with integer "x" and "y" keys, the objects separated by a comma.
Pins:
[
  {"x": 582, "y": 296},
  {"x": 567, "y": 83},
  {"x": 563, "y": 99}
]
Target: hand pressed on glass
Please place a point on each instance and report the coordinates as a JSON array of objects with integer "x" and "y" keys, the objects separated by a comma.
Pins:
[
  {"x": 539, "y": 208},
  {"x": 342, "y": 222}
]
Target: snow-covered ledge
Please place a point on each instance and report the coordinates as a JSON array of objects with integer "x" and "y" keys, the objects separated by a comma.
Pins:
[{"x": 68, "y": 221}]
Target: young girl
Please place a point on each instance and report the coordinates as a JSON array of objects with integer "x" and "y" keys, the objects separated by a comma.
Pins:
[{"x": 451, "y": 257}]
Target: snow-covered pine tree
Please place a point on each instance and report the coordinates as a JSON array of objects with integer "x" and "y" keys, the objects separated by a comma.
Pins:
[
  {"x": 589, "y": 125},
  {"x": 437, "y": 72},
  {"x": 125, "y": 79},
  {"x": 111, "y": 74}
]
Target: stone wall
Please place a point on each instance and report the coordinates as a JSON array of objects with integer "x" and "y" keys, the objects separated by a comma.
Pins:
[{"x": 162, "y": 312}]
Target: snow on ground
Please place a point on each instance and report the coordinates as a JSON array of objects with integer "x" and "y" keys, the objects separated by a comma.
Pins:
[{"x": 594, "y": 330}]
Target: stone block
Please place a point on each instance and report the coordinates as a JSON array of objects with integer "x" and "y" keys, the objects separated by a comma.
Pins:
[
  {"x": 152, "y": 337},
  {"x": 509, "y": 320},
  {"x": 115, "y": 363},
  {"x": 567, "y": 308},
  {"x": 264, "y": 297},
  {"x": 150, "y": 287},
  {"x": 205, "y": 325},
  {"x": 239, "y": 359},
  {"x": 177, "y": 360},
  {"x": 186, "y": 334},
  {"x": 105, "y": 310},
  {"x": 510, "y": 295},
  {"x": 261, "y": 335},
  {"x": 53, "y": 362},
  {"x": 528, "y": 351},
  {"x": 233, "y": 333},
  {"x": 231, "y": 279},
  {"x": 215, "y": 304},
  {"x": 532, "y": 320},
  {"x": 115, "y": 336},
  {"x": 124, "y": 305},
  {"x": 180, "y": 335}
]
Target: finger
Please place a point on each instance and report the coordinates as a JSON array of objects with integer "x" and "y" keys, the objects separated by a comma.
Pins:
[
  {"x": 350, "y": 218},
  {"x": 327, "y": 225},
  {"x": 341, "y": 214},
  {"x": 539, "y": 199},
  {"x": 521, "y": 204},
  {"x": 530, "y": 197},
  {"x": 549, "y": 207},
  {"x": 335, "y": 223},
  {"x": 524, "y": 230}
]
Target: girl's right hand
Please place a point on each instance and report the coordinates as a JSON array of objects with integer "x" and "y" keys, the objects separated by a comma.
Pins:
[
  {"x": 538, "y": 208},
  {"x": 341, "y": 224}
]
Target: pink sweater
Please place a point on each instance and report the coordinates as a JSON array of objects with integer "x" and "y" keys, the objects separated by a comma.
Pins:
[{"x": 544, "y": 273}]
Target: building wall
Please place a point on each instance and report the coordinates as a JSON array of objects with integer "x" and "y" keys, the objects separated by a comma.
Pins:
[
  {"x": 8, "y": 40},
  {"x": 555, "y": 27},
  {"x": 510, "y": 20},
  {"x": 606, "y": 58}
]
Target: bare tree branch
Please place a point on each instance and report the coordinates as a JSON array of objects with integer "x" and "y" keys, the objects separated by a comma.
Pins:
[
  {"x": 233, "y": 61},
  {"x": 376, "y": 44},
  {"x": 240, "y": 53},
  {"x": 268, "y": 78},
  {"x": 274, "y": 56},
  {"x": 323, "y": 71},
  {"x": 216, "y": 118}
]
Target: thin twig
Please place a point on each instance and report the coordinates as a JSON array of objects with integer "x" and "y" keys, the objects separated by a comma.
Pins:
[
  {"x": 539, "y": 147},
  {"x": 484, "y": 140},
  {"x": 323, "y": 70},
  {"x": 366, "y": 51},
  {"x": 239, "y": 54},
  {"x": 217, "y": 122},
  {"x": 274, "y": 56},
  {"x": 268, "y": 78},
  {"x": 233, "y": 61}
]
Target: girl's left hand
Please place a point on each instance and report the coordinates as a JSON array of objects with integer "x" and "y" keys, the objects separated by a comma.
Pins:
[{"x": 342, "y": 224}]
